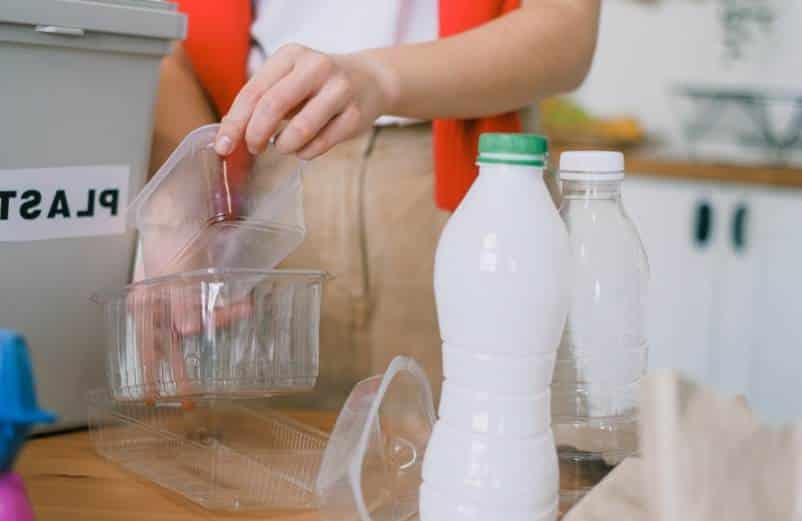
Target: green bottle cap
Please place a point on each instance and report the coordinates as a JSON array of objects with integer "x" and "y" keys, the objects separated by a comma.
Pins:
[{"x": 512, "y": 149}]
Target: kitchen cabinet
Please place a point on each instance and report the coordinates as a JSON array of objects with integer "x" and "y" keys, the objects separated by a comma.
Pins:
[
  {"x": 680, "y": 300},
  {"x": 774, "y": 384},
  {"x": 724, "y": 302}
]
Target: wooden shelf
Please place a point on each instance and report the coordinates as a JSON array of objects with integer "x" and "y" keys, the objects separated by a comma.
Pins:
[{"x": 646, "y": 163}]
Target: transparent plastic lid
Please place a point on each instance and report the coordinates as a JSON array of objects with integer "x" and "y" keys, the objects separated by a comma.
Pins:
[
  {"x": 203, "y": 211},
  {"x": 371, "y": 469}
]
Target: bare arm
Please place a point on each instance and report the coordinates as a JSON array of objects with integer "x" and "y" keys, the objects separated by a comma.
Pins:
[
  {"x": 541, "y": 49},
  {"x": 544, "y": 48},
  {"x": 181, "y": 106}
]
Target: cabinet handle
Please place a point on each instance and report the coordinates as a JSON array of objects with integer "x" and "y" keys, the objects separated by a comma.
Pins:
[
  {"x": 704, "y": 223},
  {"x": 739, "y": 228}
]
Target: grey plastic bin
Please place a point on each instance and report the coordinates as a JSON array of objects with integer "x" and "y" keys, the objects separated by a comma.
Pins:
[{"x": 77, "y": 83}]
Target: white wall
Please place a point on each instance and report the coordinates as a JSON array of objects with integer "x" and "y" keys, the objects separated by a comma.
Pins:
[{"x": 644, "y": 49}]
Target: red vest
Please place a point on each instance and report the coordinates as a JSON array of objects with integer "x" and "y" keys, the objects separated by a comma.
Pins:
[{"x": 219, "y": 41}]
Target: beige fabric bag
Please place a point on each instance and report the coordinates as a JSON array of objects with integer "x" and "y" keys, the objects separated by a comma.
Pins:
[{"x": 705, "y": 458}]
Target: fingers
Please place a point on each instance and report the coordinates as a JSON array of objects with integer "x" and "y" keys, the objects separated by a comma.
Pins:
[
  {"x": 188, "y": 317},
  {"x": 342, "y": 127},
  {"x": 277, "y": 103},
  {"x": 163, "y": 324},
  {"x": 233, "y": 125},
  {"x": 315, "y": 114},
  {"x": 178, "y": 363},
  {"x": 294, "y": 79}
]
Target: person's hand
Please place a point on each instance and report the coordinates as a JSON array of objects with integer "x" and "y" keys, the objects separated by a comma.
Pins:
[
  {"x": 163, "y": 321},
  {"x": 326, "y": 98}
]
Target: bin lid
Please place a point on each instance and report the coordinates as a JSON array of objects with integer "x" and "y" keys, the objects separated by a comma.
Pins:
[
  {"x": 147, "y": 18},
  {"x": 372, "y": 467}
]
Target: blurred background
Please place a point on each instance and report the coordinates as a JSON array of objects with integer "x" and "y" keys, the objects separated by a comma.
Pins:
[
  {"x": 705, "y": 98},
  {"x": 718, "y": 78}
]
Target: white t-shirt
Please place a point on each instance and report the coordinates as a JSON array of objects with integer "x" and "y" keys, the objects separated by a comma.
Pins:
[{"x": 340, "y": 26}]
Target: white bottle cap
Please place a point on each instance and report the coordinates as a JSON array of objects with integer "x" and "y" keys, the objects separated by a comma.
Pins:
[{"x": 591, "y": 165}]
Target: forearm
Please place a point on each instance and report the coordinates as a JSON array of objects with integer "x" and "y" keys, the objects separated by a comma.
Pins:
[
  {"x": 181, "y": 106},
  {"x": 546, "y": 47},
  {"x": 543, "y": 48}
]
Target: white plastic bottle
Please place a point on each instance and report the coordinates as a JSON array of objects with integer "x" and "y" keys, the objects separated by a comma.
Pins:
[
  {"x": 502, "y": 290},
  {"x": 603, "y": 353}
]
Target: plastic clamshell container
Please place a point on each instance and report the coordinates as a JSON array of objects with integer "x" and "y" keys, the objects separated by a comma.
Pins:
[
  {"x": 202, "y": 211},
  {"x": 213, "y": 333},
  {"x": 222, "y": 455}
]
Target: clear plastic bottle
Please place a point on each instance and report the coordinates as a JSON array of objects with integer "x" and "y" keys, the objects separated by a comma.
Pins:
[{"x": 602, "y": 353}]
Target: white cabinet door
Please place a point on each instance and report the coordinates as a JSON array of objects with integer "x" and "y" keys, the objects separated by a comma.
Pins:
[
  {"x": 680, "y": 226},
  {"x": 726, "y": 309},
  {"x": 732, "y": 319},
  {"x": 774, "y": 231}
]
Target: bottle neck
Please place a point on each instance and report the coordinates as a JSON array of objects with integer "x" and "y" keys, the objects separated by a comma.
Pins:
[
  {"x": 502, "y": 182},
  {"x": 503, "y": 173},
  {"x": 500, "y": 168},
  {"x": 597, "y": 190}
]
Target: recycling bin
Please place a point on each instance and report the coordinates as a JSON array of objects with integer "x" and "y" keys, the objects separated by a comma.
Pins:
[{"x": 77, "y": 87}]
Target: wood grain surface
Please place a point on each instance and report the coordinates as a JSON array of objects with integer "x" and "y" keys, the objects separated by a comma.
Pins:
[{"x": 68, "y": 481}]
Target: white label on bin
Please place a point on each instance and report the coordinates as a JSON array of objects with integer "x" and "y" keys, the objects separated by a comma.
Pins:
[{"x": 71, "y": 201}]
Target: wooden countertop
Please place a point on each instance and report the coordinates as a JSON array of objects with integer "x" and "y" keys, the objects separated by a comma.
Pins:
[
  {"x": 68, "y": 481},
  {"x": 649, "y": 162}
]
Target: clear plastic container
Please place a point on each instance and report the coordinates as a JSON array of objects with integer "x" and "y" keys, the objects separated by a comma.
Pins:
[
  {"x": 372, "y": 467},
  {"x": 202, "y": 211},
  {"x": 224, "y": 332},
  {"x": 602, "y": 354},
  {"x": 221, "y": 455}
]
